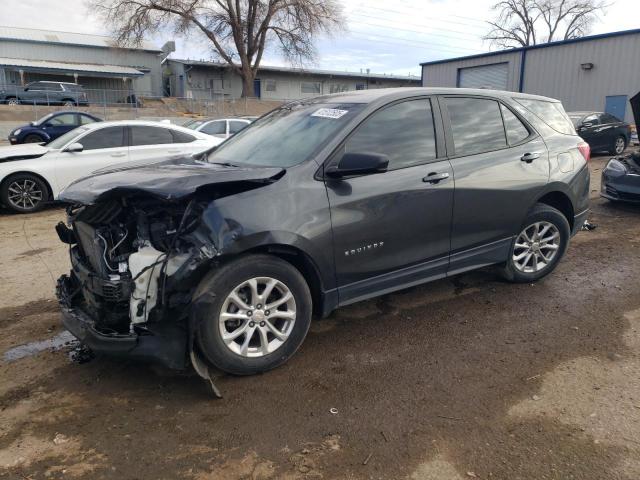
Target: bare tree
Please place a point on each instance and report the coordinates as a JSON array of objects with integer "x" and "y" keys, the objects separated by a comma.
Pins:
[
  {"x": 520, "y": 23},
  {"x": 239, "y": 30}
]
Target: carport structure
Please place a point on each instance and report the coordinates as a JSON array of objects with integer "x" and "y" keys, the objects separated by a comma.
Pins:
[{"x": 97, "y": 79}]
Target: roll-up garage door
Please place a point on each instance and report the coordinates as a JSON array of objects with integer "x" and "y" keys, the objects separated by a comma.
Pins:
[{"x": 485, "y": 76}]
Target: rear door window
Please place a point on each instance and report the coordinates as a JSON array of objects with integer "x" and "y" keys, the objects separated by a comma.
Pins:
[
  {"x": 110, "y": 137},
  {"x": 476, "y": 125},
  {"x": 515, "y": 129},
  {"x": 150, "y": 136},
  {"x": 404, "y": 132}
]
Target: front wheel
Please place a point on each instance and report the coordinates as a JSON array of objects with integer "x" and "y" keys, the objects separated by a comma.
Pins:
[
  {"x": 24, "y": 193},
  {"x": 537, "y": 249},
  {"x": 257, "y": 314},
  {"x": 68, "y": 103}
]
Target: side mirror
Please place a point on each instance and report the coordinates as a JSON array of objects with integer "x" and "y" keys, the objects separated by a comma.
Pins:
[
  {"x": 74, "y": 148},
  {"x": 587, "y": 124},
  {"x": 33, "y": 124},
  {"x": 358, "y": 164}
]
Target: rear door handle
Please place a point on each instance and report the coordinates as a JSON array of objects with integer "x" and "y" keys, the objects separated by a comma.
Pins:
[
  {"x": 435, "y": 177},
  {"x": 529, "y": 157},
  {"x": 115, "y": 155}
]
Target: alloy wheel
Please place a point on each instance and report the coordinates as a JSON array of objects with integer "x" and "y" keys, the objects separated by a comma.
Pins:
[
  {"x": 13, "y": 101},
  {"x": 257, "y": 317},
  {"x": 619, "y": 146},
  {"x": 536, "y": 246},
  {"x": 25, "y": 194}
]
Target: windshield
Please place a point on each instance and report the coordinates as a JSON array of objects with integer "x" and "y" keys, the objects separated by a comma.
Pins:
[
  {"x": 43, "y": 119},
  {"x": 60, "y": 142},
  {"x": 287, "y": 136}
]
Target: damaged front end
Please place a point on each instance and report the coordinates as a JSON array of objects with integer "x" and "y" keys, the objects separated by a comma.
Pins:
[{"x": 137, "y": 256}]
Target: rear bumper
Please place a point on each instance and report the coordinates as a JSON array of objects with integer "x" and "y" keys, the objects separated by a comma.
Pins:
[{"x": 165, "y": 344}]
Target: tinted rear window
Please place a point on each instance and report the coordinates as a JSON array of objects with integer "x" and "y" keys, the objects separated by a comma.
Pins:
[
  {"x": 476, "y": 125},
  {"x": 551, "y": 113}
]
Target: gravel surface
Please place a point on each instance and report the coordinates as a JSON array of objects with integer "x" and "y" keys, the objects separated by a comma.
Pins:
[{"x": 467, "y": 377}]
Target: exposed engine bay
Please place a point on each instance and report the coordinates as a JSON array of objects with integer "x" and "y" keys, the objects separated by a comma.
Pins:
[{"x": 134, "y": 259}]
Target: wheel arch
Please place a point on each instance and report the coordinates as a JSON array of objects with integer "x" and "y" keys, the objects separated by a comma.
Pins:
[
  {"x": 561, "y": 201},
  {"x": 302, "y": 262},
  {"x": 27, "y": 172}
]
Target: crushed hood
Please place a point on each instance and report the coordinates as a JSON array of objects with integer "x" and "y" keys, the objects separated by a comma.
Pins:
[
  {"x": 22, "y": 152},
  {"x": 170, "y": 180}
]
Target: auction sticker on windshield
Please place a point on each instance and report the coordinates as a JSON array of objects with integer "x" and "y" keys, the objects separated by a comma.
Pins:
[{"x": 329, "y": 113}]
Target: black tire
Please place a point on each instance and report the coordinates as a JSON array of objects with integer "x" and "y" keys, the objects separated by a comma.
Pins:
[
  {"x": 615, "y": 149},
  {"x": 539, "y": 213},
  {"x": 21, "y": 179},
  {"x": 217, "y": 286},
  {"x": 33, "y": 138}
]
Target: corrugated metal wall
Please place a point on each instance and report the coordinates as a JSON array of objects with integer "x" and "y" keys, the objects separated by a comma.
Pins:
[
  {"x": 556, "y": 72},
  {"x": 152, "y": 81},
  {"x": 446, "y": 74}
]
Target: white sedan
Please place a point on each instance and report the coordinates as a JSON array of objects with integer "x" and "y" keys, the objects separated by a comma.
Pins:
[
  {"x": 219, "y": 127},
  {"x": 33, "y": 174}
]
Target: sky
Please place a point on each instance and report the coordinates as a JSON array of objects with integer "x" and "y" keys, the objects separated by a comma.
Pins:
[{"x": 382, "y": 36}]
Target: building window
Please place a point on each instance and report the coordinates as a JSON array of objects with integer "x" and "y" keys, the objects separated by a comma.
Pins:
[
  {"x": 338, "y": 87},
  {"x": 270, "y": 86},
  {"x": 361, "y": 86},
  {"x": 310, "y": 87}
]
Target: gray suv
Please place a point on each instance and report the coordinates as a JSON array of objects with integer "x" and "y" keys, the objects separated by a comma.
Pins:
[
  {"x": 45, "y": 93},
  {"x": 222, "y": 260}
]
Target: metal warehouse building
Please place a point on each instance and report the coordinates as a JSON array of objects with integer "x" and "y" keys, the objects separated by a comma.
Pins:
[
  {"x": 93, "y": 61},
  {"x": 213, "y": 80},
  {"x": 599, "y": 72}
]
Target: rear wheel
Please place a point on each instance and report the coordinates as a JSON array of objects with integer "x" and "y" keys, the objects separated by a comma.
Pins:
[
  {"x": 13, "y": 101},
  {"x": 24, "y": 193},
  {"x": 68, "y": 103},
  {"x": 619, "y": 144},
  {"x": 257, "y": 314},
  {"x": 537, "y": 249}
]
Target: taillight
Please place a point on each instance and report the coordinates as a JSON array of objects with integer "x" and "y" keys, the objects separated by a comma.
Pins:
[{"x": 585, "y": 150}]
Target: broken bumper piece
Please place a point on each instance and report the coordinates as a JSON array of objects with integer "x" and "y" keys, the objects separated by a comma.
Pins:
[{"x": 167, "y": 346}]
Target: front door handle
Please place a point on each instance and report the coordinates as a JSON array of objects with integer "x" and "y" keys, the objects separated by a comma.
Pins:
[
  {"x": 435, "y": 177},
  {"x": 529, "y": 157},
  {"x": 116, "y": 155}
]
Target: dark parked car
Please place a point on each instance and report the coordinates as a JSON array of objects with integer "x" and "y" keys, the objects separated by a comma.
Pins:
[
  {"x": 602, "y": 131},
  {"x": 621, "y": 176},
  {"x": 321, "y": 203},
  {"x": 45, "y": 93},
  {"x": 50, "y": 126}
]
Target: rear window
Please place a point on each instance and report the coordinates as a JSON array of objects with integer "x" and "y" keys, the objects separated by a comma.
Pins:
[{"x": 551, "y": 113}]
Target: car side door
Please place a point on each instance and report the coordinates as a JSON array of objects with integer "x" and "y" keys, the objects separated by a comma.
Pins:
[
  {"x": 392, "y": 229},
  {"x": 500, "y": 165},
  {"x": 102, "y": 148}
]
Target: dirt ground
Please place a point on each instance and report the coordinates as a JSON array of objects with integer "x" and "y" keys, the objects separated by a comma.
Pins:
[{"x": 468, "y": 377}]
